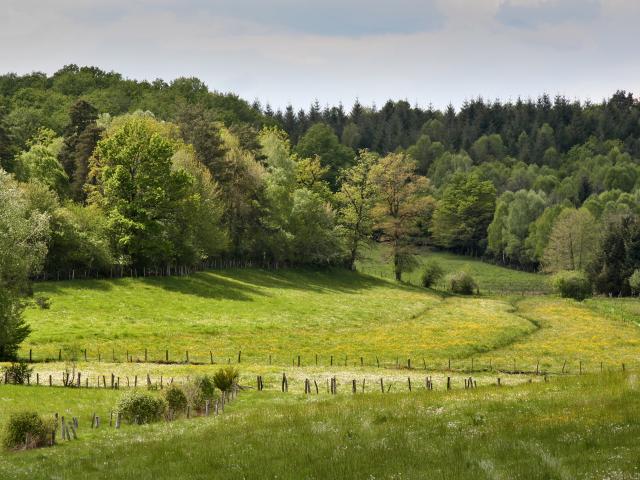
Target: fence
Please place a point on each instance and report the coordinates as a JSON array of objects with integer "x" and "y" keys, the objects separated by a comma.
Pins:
[
  {"x": 468, "y": 364},
  {"x": 121, "y": 271},
  {"x": 69, "y": 429}
]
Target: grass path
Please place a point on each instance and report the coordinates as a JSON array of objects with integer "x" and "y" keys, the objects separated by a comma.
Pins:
[{"x": 571, "y": 332}]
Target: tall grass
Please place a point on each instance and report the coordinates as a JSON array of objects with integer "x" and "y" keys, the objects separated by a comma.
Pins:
[{"x": 580, "y": 427}]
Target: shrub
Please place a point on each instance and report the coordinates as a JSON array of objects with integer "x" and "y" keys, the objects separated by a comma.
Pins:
[
  {"x": 42, "y": 301},
  {"x": 572, "y": 284},
  {"x": 461, "y": 283},
  {"x": 17, "y": 373},
  {"x": 26, "y": 430},
  {"x": 225, "y": 378},
  {"x": 431, "y": 274},
  {"x": 176, "y": 399},
  {"x": 137, "y": 407},
  {"x": 634, "y": 282},
  {"x": 199, "y": 391},
  {"x": 207, "y": 387}
]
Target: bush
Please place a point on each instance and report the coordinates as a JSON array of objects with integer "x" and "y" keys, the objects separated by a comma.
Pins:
[
  {"x": 634, "y": 282},
  {"x": 431, "y": 274},
  {"x": 461, "y": 283},
  {"x": 199, "y": 391},
  {"x": 17, "y": 373},
  {"x": 176, "y": 399},
  {"x": 572, "y": 284},
  {"x": 42, "y": 301},
  {"x": 26, "y": 430},
  {"x": 225, "y": 378},
  {"x": 207, "y": 387},
  {"x": 137, "y": 407}
]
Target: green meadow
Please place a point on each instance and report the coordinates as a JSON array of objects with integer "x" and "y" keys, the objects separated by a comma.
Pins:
[
  {"x": 566, "y": 408},
  {"x": 571, "y": 427}
]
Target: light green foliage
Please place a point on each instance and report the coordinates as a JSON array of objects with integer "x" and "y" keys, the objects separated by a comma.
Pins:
[
  {"x": 139, "y": 408},
  {"x": 310, "y": 174},
  {"x": 315, "y": 237},
  {"x": 23, "y": 236},
  {"x": 424, "y": 152},
  {"x": 201, "y": 219},
  {"x": 432, "y": 272},
  {"x": 487, "y": 148},
  {"x": 78, "y": 237},
  {"x": 280, "y": 181},
  {"x": 225, "y": 378},
  {"x": 613, "y": 202},
  {"x": 301, "y": 223},
  {"x": 356, "y": 198},
  {"x": 175, "y": 398},
  {"x": 572, "y": 241},
  {"x": 461, "y": 283},
  {"x": 634, "y": 282},
  {"x": 142, "y": 196},
  {"x": 322, "y": 141},
  {"x": 572, "y": 284},
  {"x": 242, "y": 185},
  {"x": 447, "y": 165},
  {"x": 17, "y": 373},
  {"x": 544, "y": 139},
  {"x": 40, "y": 163},
  {"x": 402, "y": 201},
  {"x": 621, "y": 177},
  {"x": 539, "y": 232},
  {"x": 26, "y": 430},
  {"x": 514, "y": 214},
  {"x": 464, "y": 213}
]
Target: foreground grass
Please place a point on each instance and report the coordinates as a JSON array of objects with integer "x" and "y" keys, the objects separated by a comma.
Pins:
[
  {"x": 580, "y": 427},
  {"x": 492, "y": 279}
]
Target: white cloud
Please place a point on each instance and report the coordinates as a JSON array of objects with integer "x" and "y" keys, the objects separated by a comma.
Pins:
[{"x": 469, "y": 51}]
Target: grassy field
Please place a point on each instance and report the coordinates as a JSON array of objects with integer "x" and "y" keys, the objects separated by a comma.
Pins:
[
  {"x": 573, "y": 427},
  {"x": 492, "y": 279},
  {"x": 279, "y": 314},
  {"x": 341, "y": 318},
  {"x": 352, "y": 326}
]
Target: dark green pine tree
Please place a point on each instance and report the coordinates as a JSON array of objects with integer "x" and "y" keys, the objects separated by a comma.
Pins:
[
  {"x": 199, "y": 128},
  {"x": 81, "y": 115},
  {"x": 85, "y": 146},
  {"x": 6, "y": 155}
]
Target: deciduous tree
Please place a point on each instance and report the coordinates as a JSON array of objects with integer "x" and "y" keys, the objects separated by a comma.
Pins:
[{"x": 401, "y": 202}]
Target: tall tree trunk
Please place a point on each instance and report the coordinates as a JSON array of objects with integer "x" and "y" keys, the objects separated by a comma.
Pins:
[
  {"x": 352, "y": 259},
  {"x": 397, "y": 266}
]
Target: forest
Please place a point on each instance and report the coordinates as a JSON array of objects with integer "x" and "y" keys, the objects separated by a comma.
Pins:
[{"x": 100, "y": 172}]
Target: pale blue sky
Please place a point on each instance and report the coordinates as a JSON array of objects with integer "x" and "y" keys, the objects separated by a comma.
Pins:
[{"x": 425, "y": 51}]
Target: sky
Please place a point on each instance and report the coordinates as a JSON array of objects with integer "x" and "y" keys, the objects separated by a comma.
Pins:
[{"x": 295, "y": 51}]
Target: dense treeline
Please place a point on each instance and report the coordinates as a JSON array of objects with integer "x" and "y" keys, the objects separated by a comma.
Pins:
[{"x": 100, "y": 171}]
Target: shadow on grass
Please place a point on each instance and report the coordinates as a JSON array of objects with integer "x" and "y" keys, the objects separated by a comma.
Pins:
[
  {"x": 202, "y": 284},
  {"x": 325, "y": 280},
  {"x": 238, "y": 284},
  {"x": 210, "y": 285}
]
